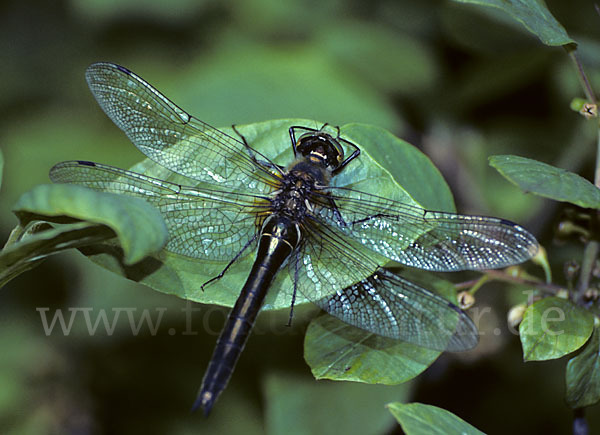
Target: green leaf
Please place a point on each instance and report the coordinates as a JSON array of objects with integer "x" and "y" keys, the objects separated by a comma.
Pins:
[
  {"x": 335, "y": 350},
  {"x": 534, "y": 15},
  {"x": 183, "y": 276},
  {"x": 139, "y": 226},
  {"x": 554, "y": 327},
  {"x": 26, "y": 248},
  {"x": 418, "y": 418},
  {"x": 300, "y": 405},
  {"x": 583, "y": 375},
  {"x": 547, "y": 181}
]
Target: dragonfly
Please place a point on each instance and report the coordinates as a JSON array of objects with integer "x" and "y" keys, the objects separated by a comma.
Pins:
[{"x": 332, "y": 240}]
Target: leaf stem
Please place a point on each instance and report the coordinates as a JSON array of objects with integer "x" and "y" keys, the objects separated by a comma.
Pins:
[
  {"x": 589, "y": 93},
  {"x": 479, "y": 283},
  {"x": 587, "y": 265},
  {"x": 500, "y": 275},
  {"x": 597, "y": 171},
  {"x": 571, "y": 50}
]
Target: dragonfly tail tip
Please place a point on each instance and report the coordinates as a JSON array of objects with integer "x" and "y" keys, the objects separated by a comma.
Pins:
[{"x": 204, "y": 401}]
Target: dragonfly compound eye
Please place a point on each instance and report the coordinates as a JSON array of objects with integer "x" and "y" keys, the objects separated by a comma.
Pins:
[{"x": 321, "y": 148}]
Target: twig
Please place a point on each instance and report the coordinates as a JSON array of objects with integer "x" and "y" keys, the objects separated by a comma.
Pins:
[
  {"x": 589, "y": 93},
  {"x": 587, "y": 266},
  {"x": 500, "y": 275}
]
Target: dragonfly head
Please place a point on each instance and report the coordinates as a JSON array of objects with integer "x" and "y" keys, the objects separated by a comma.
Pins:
[{"x": 320, "y": 148}]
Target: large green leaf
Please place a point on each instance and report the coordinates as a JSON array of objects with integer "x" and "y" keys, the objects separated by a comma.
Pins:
[
  {"x": 335, "y": 350},
  {"x": 139, "y": 226},
  {"x": 583, "y": 375},
  {"x": 418, "y": 418},
  {"x": 554, "y": 327},
  {"x": 534, "y": 15},
  {"x": 175, "y": 274},
  {"x": 547, "y": 181}
]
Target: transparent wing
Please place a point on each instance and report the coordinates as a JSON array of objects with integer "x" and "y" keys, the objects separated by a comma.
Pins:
[
  {"x": 335, "y": 274},
  {"x": 170, "y": 136},
  {"x": 426, "y": 239},
  {"x": 209, "y": 224},
  {"x": 389, "y": 305}
]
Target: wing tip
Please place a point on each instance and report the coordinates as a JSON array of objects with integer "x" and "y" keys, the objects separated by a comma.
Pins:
[
  {"x": 86, "y": 163},
  {"x": 92, "y": 73}
]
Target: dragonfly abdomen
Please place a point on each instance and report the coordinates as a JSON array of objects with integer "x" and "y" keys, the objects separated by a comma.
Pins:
[{"x": 279, "y": 238}]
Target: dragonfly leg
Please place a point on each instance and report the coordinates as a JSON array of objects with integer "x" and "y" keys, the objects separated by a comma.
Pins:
[
  {"x": 336, "y": 212},
  {"x": 250, "y": 151},
  {"x": 374, "y": 216},
  {"x": 233, "y": 260},
  {"x": 292, "y": 132},
  {"x": 354, "y": 154}
]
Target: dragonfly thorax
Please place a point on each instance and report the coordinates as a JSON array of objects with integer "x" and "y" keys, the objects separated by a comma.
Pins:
[{"x": 293, "y": 198}]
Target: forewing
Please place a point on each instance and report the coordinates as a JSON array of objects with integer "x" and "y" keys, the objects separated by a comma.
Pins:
[
  {"x": 211, "y": 224},
  {"x": 426, "y": 239},
  {"x": 333, "y": 272},
  {"x": 171, "y": 137}
]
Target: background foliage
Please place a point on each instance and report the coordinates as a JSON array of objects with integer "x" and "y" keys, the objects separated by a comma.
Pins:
[{"x": 461, "y": 82}]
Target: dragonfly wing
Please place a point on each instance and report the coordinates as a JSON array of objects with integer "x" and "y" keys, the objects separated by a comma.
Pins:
[
  {"x": 327, "y": 260},
  {"x": 426, "y": 239},
  {"x": 389, "y": 305},
  {"x": 170, "y": 136},
  {"x": 338, "y": 277},
  {"x": 208, "y": 224}
]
